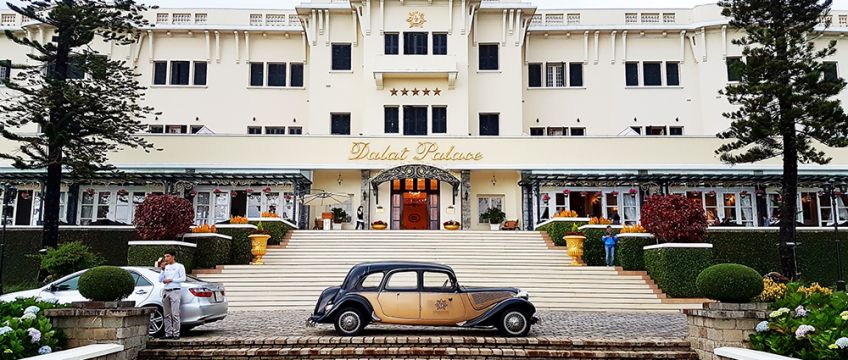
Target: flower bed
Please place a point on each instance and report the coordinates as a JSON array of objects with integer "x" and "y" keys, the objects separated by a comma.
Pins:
[{"x": 26, "y": 331}]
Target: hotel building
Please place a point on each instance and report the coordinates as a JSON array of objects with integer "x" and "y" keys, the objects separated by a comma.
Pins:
[{"x": 424, "y": 111}]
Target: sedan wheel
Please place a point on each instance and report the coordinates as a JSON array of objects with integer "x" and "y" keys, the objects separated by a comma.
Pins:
[
  {"x": 514, "y": 323},
  {"x": 349, "y": 322},
  {"x": 157, "y": 323}
]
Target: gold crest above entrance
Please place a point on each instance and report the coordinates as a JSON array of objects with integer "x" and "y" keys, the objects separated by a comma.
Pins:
[{"x": 416, "y": 19}]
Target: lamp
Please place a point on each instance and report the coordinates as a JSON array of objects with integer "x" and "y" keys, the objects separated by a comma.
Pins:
[
  {"x": 451, "y": 209},
  {"x": 494, "y": 180},
  {"x": 380, "y": 209},
  {"x": 340, "y": 180}
]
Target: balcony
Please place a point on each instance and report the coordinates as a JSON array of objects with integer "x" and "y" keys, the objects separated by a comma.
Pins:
[{"x": 415, "y": 66}]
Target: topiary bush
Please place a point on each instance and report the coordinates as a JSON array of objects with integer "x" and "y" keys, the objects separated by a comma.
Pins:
[
  {"x": 163, "y": 217},
  {"x": 67, "y": 259},
  {"x": 730, "y": 283},
  {"x": 106, "y": 283},
  {"x": 674, "y": 218}
]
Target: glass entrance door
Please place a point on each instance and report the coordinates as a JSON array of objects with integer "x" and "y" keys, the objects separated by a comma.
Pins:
[{"x": 415, "y": 204}]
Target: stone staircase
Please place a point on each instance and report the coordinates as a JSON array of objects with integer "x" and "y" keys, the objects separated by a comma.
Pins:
[
  {"x": 296, "y": 272},
  {"x": 416, "y": 347}
]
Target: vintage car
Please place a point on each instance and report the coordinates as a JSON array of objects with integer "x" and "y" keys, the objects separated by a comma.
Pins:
[{"x": 412, "y": 293}]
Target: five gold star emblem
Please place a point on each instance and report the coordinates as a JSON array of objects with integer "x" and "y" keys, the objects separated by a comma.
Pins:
[
  {"x": 394, "y": 91},
  {"x": 415, "y": 92},
  {"x": 437, "y": 92},
  {"x": 426, "y": 92}
]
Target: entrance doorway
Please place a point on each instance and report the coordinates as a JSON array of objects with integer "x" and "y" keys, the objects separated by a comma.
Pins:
[{"x": 415, "y": 204}]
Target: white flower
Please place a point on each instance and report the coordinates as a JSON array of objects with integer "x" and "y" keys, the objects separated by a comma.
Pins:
[
  {"x": 4, "y": 330},
  {"x": 28, "y": 316},
  {"x": 842, "y": 343},
  {"x": 763, "y": 326},
  {"x": 803, "y": 330},
  {"x": 800, "y": 311},
  {"x": 32, "y": 310},
  {"x": 44, "y": 350},
  {"x": 844, "y": 315},
  {"x": 779, "y": 312},
  {"x": 34, "y": 334}
]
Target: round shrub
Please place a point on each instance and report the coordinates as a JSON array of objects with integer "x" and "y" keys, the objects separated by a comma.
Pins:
[
  {"x": 163, "y": 217},
  {"x": 69, "y": 258},
  {"x": 106, "y": 283},
  {"x": 730, "y": 283},
  {"x": 674, "y": 218}
]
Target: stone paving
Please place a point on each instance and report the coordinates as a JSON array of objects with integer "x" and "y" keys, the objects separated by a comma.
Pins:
[{"x": 576, "y": 325}]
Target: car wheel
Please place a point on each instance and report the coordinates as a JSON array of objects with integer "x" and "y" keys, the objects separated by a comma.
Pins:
[
  {"x": 157, "y": 323},
  {"x": 349, "y": 322},
  {"x": 514, "y": 323}
]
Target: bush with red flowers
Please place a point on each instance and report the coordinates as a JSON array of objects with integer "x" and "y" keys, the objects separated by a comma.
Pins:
[
  {"x": 163, "y": 217},
  {"x": 674, "y": 218}
]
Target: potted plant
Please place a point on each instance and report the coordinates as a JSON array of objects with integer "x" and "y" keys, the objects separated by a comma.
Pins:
[
  {"x": 259, "y": 243},
  {"x": 379, "y": 225},
  {"x": 339, "y": 217},
  {"x": 452, "y": 225},
  {"x": 574, "y": 239},
  {"x": 495, "y": 217}
]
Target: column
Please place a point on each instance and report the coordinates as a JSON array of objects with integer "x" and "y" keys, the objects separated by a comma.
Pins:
[
  {"x": 365, "y": 187},
  {"x": 72, "y": 203},
  {"x": 465, "y": 189}
]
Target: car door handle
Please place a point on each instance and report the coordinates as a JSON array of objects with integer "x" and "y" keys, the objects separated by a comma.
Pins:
[{"x": 140, "y": 292}]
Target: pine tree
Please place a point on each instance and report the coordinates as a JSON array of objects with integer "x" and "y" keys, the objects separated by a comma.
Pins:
[
  {"x": 786, "y": 105},
  {"x": 84, "y": 104}
]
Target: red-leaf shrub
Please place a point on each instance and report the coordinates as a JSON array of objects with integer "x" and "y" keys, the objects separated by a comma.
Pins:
[
  {"x": 674, "y": 218},
  {"x": 163, "y": 217}
]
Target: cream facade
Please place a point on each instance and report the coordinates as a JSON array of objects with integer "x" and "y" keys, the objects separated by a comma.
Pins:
[{"x": 427, "y": 111}]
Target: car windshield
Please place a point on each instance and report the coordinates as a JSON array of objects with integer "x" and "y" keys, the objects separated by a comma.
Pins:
[{"x": 189, "y": 278}]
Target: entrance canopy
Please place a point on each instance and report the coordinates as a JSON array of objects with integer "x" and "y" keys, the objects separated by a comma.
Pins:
[{"x": 414, "y": 171}]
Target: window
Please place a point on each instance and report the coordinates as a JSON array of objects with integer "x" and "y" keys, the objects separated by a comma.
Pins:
[
  {"x": 489, "y": 124},
  {"x": 415, "y": 43},
  {"x": 636, "y": 129},
  {"x": 437, "y": 281},
  {"x": 296, "y": 74},
  {"x": 440, "y": 44},
  {"x": 578, "y": 131},
  {"x": 275, "y": 130},
  {"x": 176, "y": 129},
  {"x": 257, "y": 74},
  {"x": 391, "y": 119},
  {"x": 295, "y": 130},
  {"x": 160, "y": 72},
  {"x": 254, "y": 130},
  {"x": 829, "y": 69},
  {"x": 200, "y": 73},
  {"x": 440, "y": 120},
  {"x": 94, "y": 206},
  {"x": 71, "y": 284},
  {"x": 391, "y": 42},
  {"x": 403, "y": 280},
  {"x": 340, "y": 124},
  {"x": 341, "y": 57},
  {"x": 140, "y": 280},
  {"x": 415, "y": 120},
  {"x": 555, "y": 77},
  {"x": 631, "y": 70},
  {"x": 675, "y": 131},
  {"x": 672, "y": 74},
  {"x": 654, "y": 130},
  {"x": 575, "y": 75},
  {"x": 277, "y": 74},
  {"x": 652, "y": 74},
  {"x": 556, "y": 131},
  {"x": 155, "y": 129},
  {"x": 488, "y": 56},
  {"x": 733, "y": 64},
  {"x": 372, "y": 281},
  {"x": 5, "y": 70},
  {"x": 485, "y": 202},
  {"x": 125, "y": 205},
  {"x": 534, "y": 73},
  {"x": 537, "y": 131},
  {"x": 196, "y": 128},
  {"x": 180, "y": 72}
]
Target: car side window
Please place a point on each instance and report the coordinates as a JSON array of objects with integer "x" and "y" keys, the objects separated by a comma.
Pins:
[
  {"x": 140, "y": 280},
  {"x": 372, "y": 281},
  {"x": 403, "y": 280},
  {"x": 437, "y": 281},
  {"x": 69, "y": 284}
]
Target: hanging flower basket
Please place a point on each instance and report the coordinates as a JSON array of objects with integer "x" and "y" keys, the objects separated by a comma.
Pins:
[
  {"x": 249, "y": 190},
  {"x": 566, "y": 192},
  {"x": 288, "y": 197},
  {"x": 712, "y": 193},
  {"x": 633, "y": 192},
  {"x": 743, "y": 193},
  {"x": 123, "y": 192},
  {"x": 760, "y": 192},
  {"x": 267, "y": 189},
  {"x": 217, "y": 190},
  {"x": 192, "y": 193},
  {"x": 24, "y": 195},
  {"x": 614, "y": 193},
  {"x": 233, "y": 194},
  {"x": 89, "y": 191}
]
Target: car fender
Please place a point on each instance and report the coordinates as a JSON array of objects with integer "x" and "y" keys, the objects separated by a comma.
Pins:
[
  {"x": 342, "y": 302},
  {"x": 490, "y": 315}
]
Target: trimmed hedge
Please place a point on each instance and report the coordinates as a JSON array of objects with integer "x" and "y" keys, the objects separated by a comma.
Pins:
[
  {"x": 629, "y": 254},
  {"x": 593, "y": 248},
  {"x": 276, "y": 228},
  {"x": 816, "y": 254},
  {"x": 146, "y": 255},
  {"x": 240, "y": 244},
  {"x": 676, "y": 269},
  {"x": 757, "y": 250},
  {"x": 109, "y": 243},
  {"x": 211, "y": 250},
  {"x": 730, "y": 283},
  {"x": 557, "y": 229}
]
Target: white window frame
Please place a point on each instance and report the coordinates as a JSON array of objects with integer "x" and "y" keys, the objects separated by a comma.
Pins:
[
  {"x": 554, "y": 207},
  {"x": 489, "y": 197}
]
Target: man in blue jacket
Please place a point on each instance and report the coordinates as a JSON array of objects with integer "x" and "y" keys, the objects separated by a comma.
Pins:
[{"x": 610, "y": 241}]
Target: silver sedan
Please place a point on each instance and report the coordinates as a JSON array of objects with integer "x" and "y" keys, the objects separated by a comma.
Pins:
[{"x": 202, "y": 302}]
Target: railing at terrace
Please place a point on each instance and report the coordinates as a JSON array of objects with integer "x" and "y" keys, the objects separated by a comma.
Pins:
[
  {"x": 274, "y": 20},
  {"x": 8, "y": 20},
  {"x": 181, "y": 18}
]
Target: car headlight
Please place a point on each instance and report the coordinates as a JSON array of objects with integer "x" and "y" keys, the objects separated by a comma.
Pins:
[
  {"x": 328, "y": 308},
  {"x": 523, "y": 294}
]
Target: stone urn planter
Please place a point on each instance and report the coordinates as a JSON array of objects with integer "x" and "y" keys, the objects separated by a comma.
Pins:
[
  {"x": 379, "y": 226},
  {"x": 258, "y": 247},
  {"x": 574, "y": 244},
  {"x": 452, "y": 227}
]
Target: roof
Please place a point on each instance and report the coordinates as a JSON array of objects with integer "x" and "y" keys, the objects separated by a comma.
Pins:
[{"x": 389, "y": 265}]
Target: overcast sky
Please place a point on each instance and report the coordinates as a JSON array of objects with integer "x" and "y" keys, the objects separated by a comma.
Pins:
[{"x": 290, "y": 4}]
